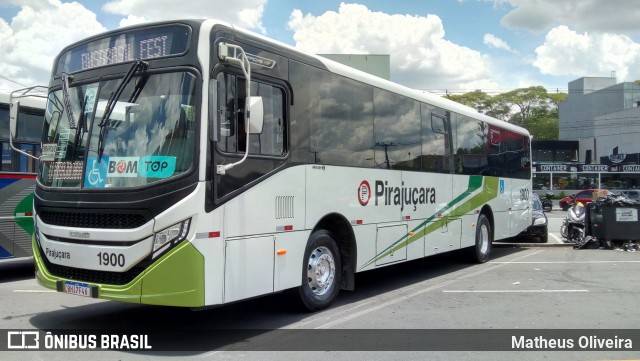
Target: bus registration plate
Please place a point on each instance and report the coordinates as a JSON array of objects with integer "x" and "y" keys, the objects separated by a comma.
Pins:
[{"x": 77, "y": 288}]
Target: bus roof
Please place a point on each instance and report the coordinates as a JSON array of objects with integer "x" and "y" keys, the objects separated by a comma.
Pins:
[
  {"x": 32, "y": 101},
  {"x": 423, "y": 96},
  {"x": 337, "y": 68}
]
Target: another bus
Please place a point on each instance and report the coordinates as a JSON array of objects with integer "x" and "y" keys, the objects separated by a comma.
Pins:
[
  {"x": 191, "y": 163},
  {"x": 18, "y": 172}
]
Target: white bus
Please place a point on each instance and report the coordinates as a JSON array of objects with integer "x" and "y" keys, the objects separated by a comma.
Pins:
[
  {"x": 18, "y": 171},
  {"x": 191, "y": 163}
]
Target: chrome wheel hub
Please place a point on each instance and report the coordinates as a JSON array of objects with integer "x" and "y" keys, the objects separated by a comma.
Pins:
[{"x": 321, "y": 270}]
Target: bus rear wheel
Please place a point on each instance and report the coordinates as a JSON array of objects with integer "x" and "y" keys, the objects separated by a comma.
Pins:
[
  {"x": 484, "y": 237},
  {"x": 321, "y": 272}
]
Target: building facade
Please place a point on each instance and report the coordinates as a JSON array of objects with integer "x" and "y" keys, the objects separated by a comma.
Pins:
[{"x": 604, "y": 118}]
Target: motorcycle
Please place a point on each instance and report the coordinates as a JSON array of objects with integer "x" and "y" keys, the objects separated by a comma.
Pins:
[
  {"x": 572, "y": 227},
  {"x": 547, "y": 203}
]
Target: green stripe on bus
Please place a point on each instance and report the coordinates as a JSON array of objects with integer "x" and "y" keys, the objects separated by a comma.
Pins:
[{"x": 489, "y": 192}]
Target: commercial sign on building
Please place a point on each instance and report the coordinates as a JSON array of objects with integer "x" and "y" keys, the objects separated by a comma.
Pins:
[
  {"x": 593, "y": 168},
  {"x": 586, "y": 168}
]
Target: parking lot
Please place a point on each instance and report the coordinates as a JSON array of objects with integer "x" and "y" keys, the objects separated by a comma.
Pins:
[{"x": 521, "y": 288}]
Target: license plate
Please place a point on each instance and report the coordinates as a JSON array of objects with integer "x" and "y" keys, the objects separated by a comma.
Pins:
[{"x": 77, "y": 288}]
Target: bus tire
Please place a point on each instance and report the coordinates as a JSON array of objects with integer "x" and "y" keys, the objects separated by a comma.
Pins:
[
  {"x": 480, "y": 252},
  {"x": 321, "y": 272}
]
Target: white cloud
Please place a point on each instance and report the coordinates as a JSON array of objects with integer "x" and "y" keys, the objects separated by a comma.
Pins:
[
  {"x": 30, "y": 42},
  {"x": 421, "y": 57},
  {"x": 566, "y": 52},
  {"x": 594, "y": 15},
  {"x": 495, "y": 42},
  {"x": 132, "y": 20},
  {"x": 245, "y": 13}
]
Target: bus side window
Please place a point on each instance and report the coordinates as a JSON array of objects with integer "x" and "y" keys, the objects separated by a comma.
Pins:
[
  {"x": 226, "y": 117},
  {"x": 241, "y": 134},
  {"x": 435, "y": 148},
  {"x": 230, "y": 117},
  {"x": 271, "y": 140}
]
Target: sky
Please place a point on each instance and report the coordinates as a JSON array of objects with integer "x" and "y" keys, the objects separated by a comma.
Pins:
[{"x": 453, "y": 46}]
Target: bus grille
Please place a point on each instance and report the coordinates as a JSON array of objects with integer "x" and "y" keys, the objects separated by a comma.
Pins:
[
  {"x": 90, "y": 276},
  {"x": 92, "y": 220}
]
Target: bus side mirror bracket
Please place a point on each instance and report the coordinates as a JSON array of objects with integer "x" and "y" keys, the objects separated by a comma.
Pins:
[{"x": 235, "y": 55}]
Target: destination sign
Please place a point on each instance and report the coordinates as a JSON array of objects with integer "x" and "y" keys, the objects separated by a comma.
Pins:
[{"x": 147, "y": 43}]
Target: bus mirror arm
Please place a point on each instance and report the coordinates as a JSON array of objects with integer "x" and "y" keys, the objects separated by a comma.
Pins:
[
  {"x": 254, "y": 112},
  {"x": 13, "y": 118}
]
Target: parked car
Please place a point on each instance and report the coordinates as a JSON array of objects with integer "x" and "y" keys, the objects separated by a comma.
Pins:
[
  {"x": 583, "y": 197},
  {"x": 538, "y": 227},
  {"x": 635, "y": 195}
]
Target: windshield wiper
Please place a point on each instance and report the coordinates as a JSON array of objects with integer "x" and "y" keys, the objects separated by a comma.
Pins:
[
  {"x": 138, "y": 64},
  {"x": 81, "y": 122},
  {"x": 67, "y": 102}
]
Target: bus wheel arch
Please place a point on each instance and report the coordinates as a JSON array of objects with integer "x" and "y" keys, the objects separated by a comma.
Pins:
[{"x": 328, "y": 262}]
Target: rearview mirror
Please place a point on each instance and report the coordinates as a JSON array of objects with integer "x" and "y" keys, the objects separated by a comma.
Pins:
[
  {"x": 256, "y": 115},
  {"x": 13, "y": 118}
]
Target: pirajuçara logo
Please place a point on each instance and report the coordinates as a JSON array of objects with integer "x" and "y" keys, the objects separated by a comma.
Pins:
[
  {"x": 399, "y": 196},
  {"x": 364, "y": 193},
  {"x": 52, "y": 253}
]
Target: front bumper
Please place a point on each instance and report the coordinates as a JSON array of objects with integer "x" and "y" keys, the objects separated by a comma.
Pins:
[
  {"x": 537, "y": 230},
  {"x": 175, "y": 279}
]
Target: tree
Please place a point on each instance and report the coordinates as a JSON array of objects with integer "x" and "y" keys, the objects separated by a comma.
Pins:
[
  {"x": 476, "y": 99},
  {"x": 532, "y": 108},
  {"x": 483, "y": 103},
  {"x": 542, "y": 124},
  {"x": 526, "y": 100}
]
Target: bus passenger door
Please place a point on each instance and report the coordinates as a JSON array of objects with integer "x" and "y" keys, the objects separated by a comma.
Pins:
[
  {"x": 519, "y": 170},
  {"x": 503, "y": 213},
  {"x": 521, "y": 206},
  {"x": 438, "y": 169}
]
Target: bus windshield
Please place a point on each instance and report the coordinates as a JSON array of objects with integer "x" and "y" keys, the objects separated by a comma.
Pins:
[{"x": 147, "y": 137}]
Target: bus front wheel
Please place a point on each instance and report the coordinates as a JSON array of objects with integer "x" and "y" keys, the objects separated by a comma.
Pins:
[{"x": 321, "y": 271}]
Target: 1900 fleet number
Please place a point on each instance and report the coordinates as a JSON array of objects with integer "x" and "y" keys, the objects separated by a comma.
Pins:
[{"x": 111, "y": 259}]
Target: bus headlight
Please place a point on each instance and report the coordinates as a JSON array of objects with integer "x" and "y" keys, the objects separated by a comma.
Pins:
[{"x": 170, "y": 236}]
